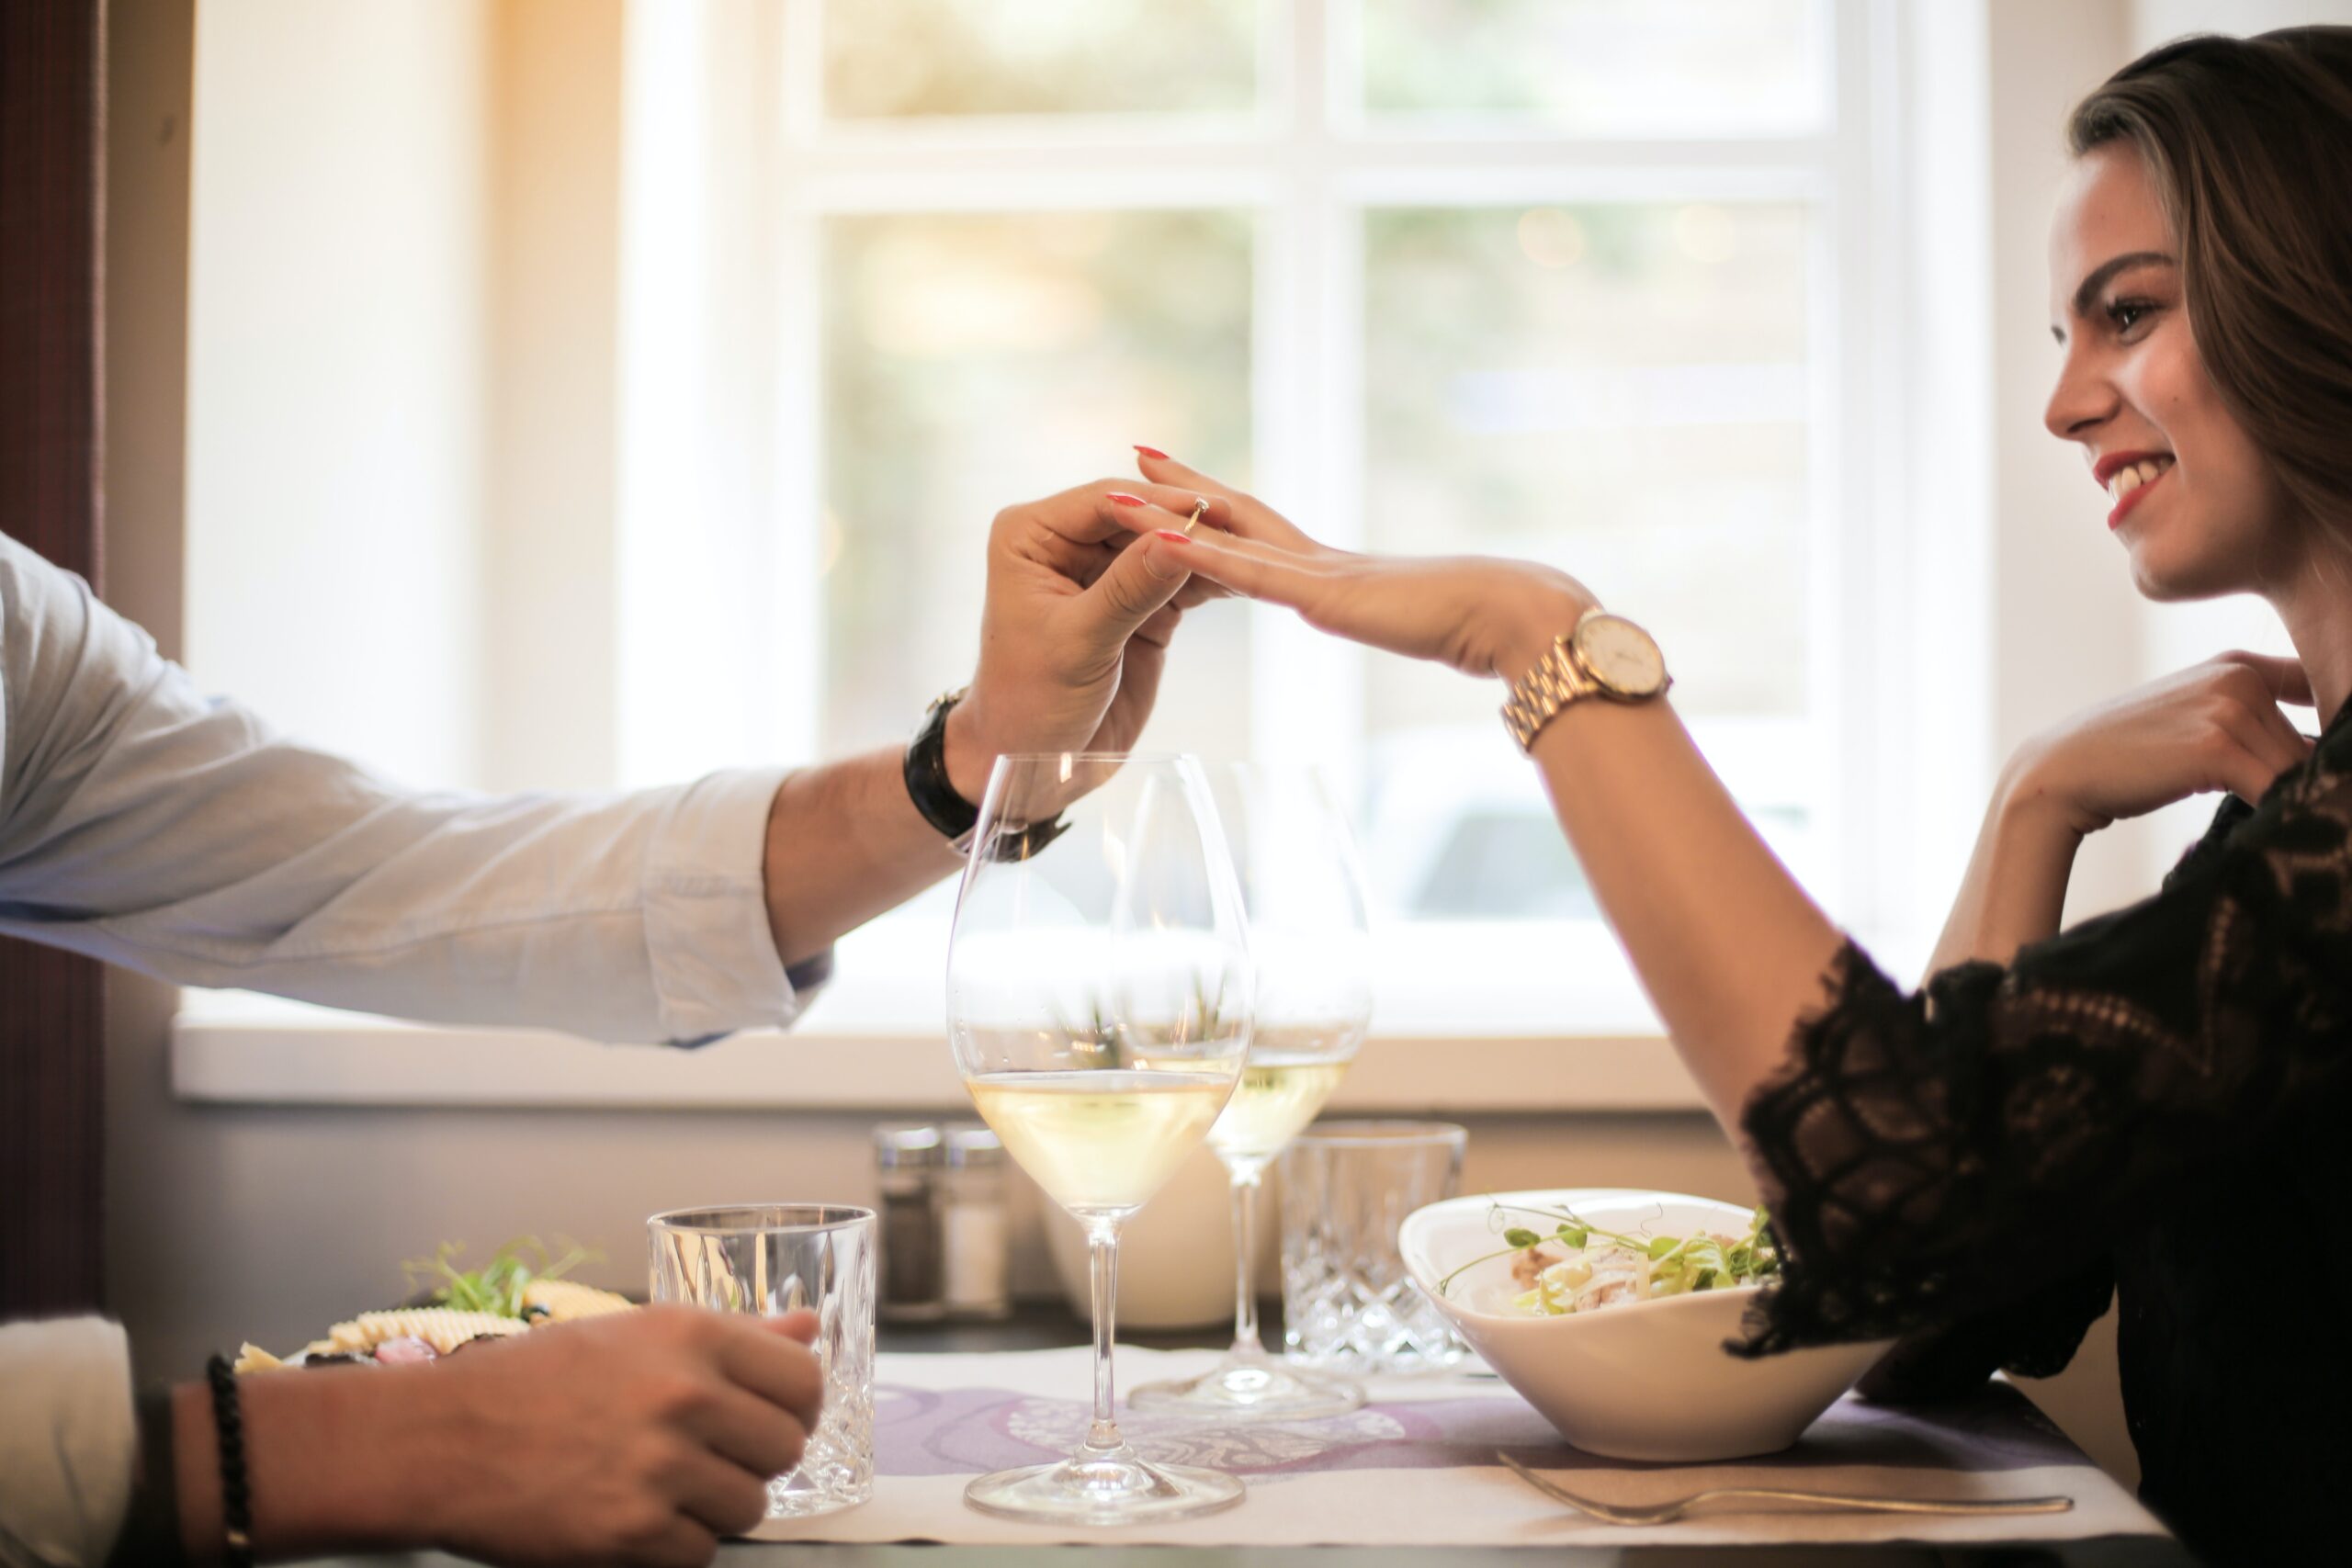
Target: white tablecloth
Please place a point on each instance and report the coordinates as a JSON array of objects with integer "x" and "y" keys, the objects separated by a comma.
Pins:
[{"x": 1415, "y": 1466}]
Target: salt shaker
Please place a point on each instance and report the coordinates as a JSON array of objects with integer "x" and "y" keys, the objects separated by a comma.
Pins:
[
  {"x": 909, "y": 1161},
  {"x": 975, "y": 1232}
]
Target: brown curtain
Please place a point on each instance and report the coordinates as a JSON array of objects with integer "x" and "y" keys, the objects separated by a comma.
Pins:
[{"x": 51, "y": 100}]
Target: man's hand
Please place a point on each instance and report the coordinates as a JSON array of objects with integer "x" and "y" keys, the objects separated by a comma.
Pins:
[
  {"x": 1082, "y": 600},
  {"x": 638, "y": 1438}
]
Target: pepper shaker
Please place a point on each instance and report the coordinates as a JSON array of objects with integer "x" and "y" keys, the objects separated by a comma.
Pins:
[{"x": 908, "y": 1162}]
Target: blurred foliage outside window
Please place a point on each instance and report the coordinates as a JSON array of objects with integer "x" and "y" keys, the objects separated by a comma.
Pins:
[{"x": 1622, "y": 388}]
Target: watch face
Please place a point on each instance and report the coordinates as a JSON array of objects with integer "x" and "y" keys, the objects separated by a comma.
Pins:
[{"x": 1620, "y": 656}]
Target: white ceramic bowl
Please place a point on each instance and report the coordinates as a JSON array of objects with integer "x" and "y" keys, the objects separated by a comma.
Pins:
[{"x": 1649, "y": 1380}]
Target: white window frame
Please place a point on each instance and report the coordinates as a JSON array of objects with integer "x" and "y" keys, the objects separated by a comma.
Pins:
[
  {"x": 1911, "y": 117},
  {"x": 1305, "y": 166}
]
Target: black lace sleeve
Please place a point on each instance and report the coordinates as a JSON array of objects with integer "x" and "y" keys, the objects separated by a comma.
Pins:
[{"x": 1931, "y": 1156}]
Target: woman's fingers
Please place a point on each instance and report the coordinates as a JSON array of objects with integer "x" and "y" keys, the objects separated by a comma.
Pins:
[
  {"x": 2284, "y": 677},
  {"x": 1250, "y": 517},
  {"x": 1256, "y": 571}
]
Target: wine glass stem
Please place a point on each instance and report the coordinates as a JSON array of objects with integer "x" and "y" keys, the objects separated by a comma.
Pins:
[
  {"x": 1102, "y": 1249},
  {"x": 1246, "y": 1338}
]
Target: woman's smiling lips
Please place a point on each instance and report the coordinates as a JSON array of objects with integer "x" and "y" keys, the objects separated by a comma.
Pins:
[{"x": 2128, "y": 477}]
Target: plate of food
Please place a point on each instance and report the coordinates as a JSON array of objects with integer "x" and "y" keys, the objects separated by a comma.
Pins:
[
  {"x": 521, "y": 1288},
  {"x": 1608, "y": 1309}
]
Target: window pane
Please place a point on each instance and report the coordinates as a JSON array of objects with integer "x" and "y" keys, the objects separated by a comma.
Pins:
[
  {"x": 973, "y": 361},
  {"x": 1620, "y": 390},
  {"x": 1663, "y": 68},
  {"x": 901, "y": 58}
]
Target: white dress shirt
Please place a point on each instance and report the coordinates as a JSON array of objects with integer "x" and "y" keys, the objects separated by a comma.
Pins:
[{"x": 149, "y": 826}]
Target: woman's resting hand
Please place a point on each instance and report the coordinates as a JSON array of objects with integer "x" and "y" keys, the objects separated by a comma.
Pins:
[
  {"x": 637, "y": 1439},
  {"x": 2215, "y": 726},
  {"x": 1482, "y": 616}
]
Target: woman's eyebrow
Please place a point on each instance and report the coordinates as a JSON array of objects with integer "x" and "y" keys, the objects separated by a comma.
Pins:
[{"x": 2102, "y": 274}]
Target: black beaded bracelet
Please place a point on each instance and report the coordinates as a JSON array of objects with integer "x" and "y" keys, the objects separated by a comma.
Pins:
[{"x": 236, "y": 1496}]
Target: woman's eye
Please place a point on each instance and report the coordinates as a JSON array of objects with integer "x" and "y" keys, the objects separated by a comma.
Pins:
[{"x": 2128, "y": 313}]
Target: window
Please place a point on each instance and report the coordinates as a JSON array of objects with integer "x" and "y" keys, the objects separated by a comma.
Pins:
[{"x": 1568, "y": 279}]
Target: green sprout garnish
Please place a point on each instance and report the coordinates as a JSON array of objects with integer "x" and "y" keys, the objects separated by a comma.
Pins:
[
  {"x": 498, "y": 1285},
  {"x": 1677, "y": 1263}
]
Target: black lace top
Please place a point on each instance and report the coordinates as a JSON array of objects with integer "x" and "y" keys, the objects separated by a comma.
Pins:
[{"x": 2158, "y": 1100}]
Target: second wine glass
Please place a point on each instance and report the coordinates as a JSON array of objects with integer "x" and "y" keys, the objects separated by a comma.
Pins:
[{"x": 1303, "y": 888}]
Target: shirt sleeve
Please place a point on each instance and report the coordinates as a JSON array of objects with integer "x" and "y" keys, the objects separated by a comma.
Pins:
[
  {"x": 1937, "y": 1154},
  {"x": 69, "y": 1445},
  {"x": 148, "y": 826}
]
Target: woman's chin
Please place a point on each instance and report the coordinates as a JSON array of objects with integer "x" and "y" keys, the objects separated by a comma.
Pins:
[{"x": 2163, "y": 578}]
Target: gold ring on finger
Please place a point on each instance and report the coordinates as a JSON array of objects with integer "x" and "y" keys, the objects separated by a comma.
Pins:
[{"x": 1200, "y": 510}]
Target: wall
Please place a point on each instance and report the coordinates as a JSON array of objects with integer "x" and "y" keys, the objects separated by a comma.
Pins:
[{"x": 337, "y": 371}]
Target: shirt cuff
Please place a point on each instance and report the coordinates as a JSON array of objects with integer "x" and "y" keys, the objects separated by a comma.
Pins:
[
  {"x": 714, "y": 964},
  {"x": 68, "y": 1445}
]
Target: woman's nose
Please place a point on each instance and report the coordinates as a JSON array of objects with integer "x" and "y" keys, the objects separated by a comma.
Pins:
[{"x": 2083, "y": 399}]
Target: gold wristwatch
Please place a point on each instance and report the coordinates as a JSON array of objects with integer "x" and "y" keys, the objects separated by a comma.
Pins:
[{"x": 1604, "y": 656}]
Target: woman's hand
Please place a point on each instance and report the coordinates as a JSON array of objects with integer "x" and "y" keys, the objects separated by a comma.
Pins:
[
  {"x": 2216, "y": 726},
  {"x": 637, "y": 1439},
  {"x": 1480, "y": 614}
]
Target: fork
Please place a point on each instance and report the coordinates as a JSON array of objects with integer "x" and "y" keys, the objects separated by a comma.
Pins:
[{"x": 1824, "y": 1502}]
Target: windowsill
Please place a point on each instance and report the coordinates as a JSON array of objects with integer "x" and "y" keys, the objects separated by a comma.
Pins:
[
  {"x": 1462, "y": 1024},
  {"x": 349, "y": 1060},
  {"x": 1467, "y": 1018}
]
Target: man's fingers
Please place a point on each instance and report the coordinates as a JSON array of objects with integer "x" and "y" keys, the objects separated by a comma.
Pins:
[
  {"x": 774, "y": 1364},
  {"x": 723, "y": 1498},
  {"x": 750, "y": 1433},
  {"x": 799, "y": 1323},
  {"x": 2284, "y": 677},
  {"x": 1158, "y": 628},
  {"x": 680, "y": 1543},
  {"x": 1146, "y": 576}
]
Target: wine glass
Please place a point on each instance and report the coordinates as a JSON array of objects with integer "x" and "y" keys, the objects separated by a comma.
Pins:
[
  {"x": 1303, "y": 889},
  {"x": 1098, "y": 999}
]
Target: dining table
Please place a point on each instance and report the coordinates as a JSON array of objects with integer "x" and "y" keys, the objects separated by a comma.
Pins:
[{"x": 1416, "y": 1478}]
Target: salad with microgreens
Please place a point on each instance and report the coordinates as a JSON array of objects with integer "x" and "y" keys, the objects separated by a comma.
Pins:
[
  {"x": 1579, "y": 1267},
  {"x": 499, "y": 1286},
  {"x": 521, "y": 1288}
]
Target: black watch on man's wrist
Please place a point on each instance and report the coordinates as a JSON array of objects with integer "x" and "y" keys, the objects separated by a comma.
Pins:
[
  {"x": 927, "y": 781},
  {"x": 956, "y": 817}
]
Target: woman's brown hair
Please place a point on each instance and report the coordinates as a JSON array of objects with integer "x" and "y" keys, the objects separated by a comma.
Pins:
[{"x": 2249, "y": 141}]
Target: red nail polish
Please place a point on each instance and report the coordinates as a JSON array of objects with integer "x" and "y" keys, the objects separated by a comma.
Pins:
[
  {"x": 1172, "y": 536},
  {"x": 1124, "y": 499},
  {"x": 1152, "y": 451}
]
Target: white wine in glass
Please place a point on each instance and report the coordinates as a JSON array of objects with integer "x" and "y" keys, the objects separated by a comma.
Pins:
[
  {"x": 1098, "y": 995},
  {"x": 1304, "y": 892}
]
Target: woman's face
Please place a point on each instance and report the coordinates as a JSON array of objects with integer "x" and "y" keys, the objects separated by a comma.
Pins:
[{"x": 2195, "y": 505}]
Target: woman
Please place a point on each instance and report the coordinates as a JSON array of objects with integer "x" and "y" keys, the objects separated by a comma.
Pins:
[{"x": 2153, "y": 1097}]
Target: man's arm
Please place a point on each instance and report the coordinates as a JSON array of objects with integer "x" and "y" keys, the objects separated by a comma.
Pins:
[
  {"x": 144, "y": 824},
  {"x": 67, "y": 1444}
]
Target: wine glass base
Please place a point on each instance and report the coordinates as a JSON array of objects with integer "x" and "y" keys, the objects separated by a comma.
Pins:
[
  {"x": 1116, "y": 1488},
  {"x": 1252, "y": 1388}
]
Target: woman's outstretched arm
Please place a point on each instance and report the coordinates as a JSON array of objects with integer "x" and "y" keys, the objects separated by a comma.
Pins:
[{"x": 1733, "y": 952}]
